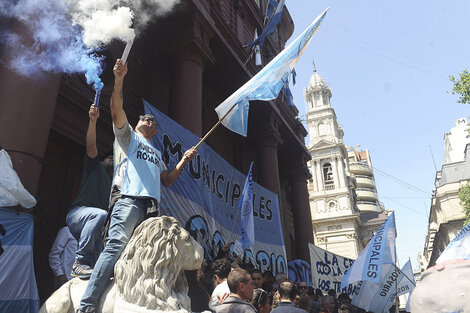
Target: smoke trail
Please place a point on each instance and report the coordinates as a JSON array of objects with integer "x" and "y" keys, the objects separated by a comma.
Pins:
[
  {"x": 66, "y": 33},
  {"x": 56, "y": 46}
]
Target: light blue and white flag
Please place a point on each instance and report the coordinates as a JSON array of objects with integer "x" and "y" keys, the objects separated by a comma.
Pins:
[
  {"x": 379, "y": 297},
  {"x": 257, "y": 51},
  {"x": 245, "y": 206},
  {"x": 272, "y": 24},
  {"x": 18, "y": 291},
  {"x": 459, "y": 248},
  {"x": 265, "y": 85},
  {"x": 380, "y": 250},
  {"x": 407, "y": 283}
]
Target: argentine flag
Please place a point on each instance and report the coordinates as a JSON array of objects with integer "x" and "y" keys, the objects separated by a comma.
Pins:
[
  {"x": 380, "y": 250},
  {"x": 18, "y": 291},
  {"x": 459, "y": 248},
  {"x": 266, "y": 85}
]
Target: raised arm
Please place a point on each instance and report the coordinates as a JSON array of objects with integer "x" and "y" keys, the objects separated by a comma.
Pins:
[
  {"x": 91, "y": 148},
  {"x": 117, "y": 111},
  {"x": 168, "y": 178}
]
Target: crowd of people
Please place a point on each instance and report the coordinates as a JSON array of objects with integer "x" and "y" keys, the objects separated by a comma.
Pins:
[
  {"x": 118, "y": 193},
  {"x": 228, "y": 286}
]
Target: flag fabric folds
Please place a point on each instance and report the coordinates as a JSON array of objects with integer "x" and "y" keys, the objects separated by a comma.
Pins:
[
  {"x": 459, "y": 248},
  {"x": 257, "y": 52},
  {"x": 288, "y": 94},
  {"x": 266, "y": 84},
  {"x": 18, "y": 291},
  {"x": 294, "y": 75},
  {"x": 272, "y": 24},
  {"x": 380, "y": 250},
  {"x": 245, "y": 206},
  {"x": 379, "y": 297},
  {"x": 271, "y": 8}
]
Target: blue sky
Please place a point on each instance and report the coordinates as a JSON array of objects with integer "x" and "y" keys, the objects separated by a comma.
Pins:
[{"x": 387, "y": 64}]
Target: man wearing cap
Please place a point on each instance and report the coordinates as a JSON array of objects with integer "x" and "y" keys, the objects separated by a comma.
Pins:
[{"x": 135, "y": 189}]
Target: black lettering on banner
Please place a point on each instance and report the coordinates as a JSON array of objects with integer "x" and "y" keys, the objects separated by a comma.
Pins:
[
  {"x": 195, "y": 174},
  {"x": 2, "y": 232},
  {"x": 139, "y": 154},
  {"x": 261, "y": 207},
  {"x": 169, "y": 148},
  {"x": 270, "y": 212},
  {"x": 219, "y": 179},
  {"x": 236, "y": 192},
  {"x": 299, "y": 271},
  {"x": 206, "y": 178},
  {"x": 198, "y": 228},
  {"x": 255, "y": 214}
]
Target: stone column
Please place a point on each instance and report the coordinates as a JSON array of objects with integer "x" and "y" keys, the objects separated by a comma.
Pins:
[
  {"x": 319, "y": 174},
  {"x": 268, "y": 167},
  {"x": 335, "y": 172},
  {"x": 315, "y": 178},
  {"x": 26, "y": 112},
  {"x": 186, "y": 108},
  {"x": 342, "y": 172},
  {"x": 302, "y": 216}
]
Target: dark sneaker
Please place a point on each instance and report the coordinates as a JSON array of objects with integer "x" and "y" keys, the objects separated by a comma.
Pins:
[
  {"x": 81, "y": 271},
  {"x": 88, "y": 309}
]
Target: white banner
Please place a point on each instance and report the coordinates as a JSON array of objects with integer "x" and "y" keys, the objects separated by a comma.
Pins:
[{"x": 328, "y": 270}]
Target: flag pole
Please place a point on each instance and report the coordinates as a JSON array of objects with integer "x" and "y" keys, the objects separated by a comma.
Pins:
[{"x": 214, "y": 127}]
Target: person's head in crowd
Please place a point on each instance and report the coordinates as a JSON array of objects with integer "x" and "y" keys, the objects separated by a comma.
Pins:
[
  {"x": 343, "y": 298},
  {"x": 305, "y": 303},
  {"x": 310, "y": 291},
  {"x": 318, "y": 292},
  {"x": 344, "y": 308},
  {"x": 275, "y": 299},
  {"x": 302, "y": 288},
  {"x": 280, "y": 277},
  {"x": 332, "y": 293},
  {"x": 328, "y": 302},
  {"x": 248, "y": 266},
  {"x": 240, "y": 284},
  {"x": 261, "y": 301},
  {"x": 287, "y": 291},
  {"x": 296, "y": 300},
  {"x": 324, "y": 309},
  {"x": 221, "y": 269},
  {"x": 108, "y": 163},
  {"x": 257, "y": 278},
  {"x": 268, "y": 281}
]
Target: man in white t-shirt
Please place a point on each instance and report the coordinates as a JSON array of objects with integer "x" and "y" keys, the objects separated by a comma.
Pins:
[
  {"x": 135, "y": 187},
  {"x": 221, "y": 269}
]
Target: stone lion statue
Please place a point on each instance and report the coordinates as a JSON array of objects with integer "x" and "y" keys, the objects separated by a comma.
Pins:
[{"x": 148, "y": 277}]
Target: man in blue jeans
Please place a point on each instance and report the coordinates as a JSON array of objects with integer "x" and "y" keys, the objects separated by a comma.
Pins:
[
  {"x": 135, "y": 188},
  {"x": 89, "y": 210}
]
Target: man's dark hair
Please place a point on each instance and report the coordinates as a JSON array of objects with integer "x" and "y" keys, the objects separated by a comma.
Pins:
[
  {"x": 237, "y": 276},
  {"x": 256, "y": 271},
  {"x": 221, "y": 268},
  {"x": 287, "y": 290},
  {"x": 332, "y": 292},
  {"x": 310, "y": 291}
]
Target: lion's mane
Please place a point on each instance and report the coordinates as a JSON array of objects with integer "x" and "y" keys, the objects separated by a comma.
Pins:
[{"x": 149, "y": 272}]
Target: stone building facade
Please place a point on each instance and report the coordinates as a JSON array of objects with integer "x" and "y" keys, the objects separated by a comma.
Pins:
[
  {"x": 446, "y": 216},
  {"x": 343, "y": 197},
  {"x": 185, "y": 64}
]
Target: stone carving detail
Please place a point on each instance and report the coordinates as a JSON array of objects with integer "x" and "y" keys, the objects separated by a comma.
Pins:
[{"x": 149, "y": 275}]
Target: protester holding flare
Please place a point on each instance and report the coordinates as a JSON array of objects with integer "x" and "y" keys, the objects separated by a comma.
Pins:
[{"x": 135, "y": 188}]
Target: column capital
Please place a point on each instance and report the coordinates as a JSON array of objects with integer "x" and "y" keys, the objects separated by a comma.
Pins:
[{"x": 193, "y": 42}]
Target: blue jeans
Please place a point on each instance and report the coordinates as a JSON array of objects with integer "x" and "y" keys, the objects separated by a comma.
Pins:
[
  {"x": 127, "y": 214},
  {"x": 86, "y": 224}
]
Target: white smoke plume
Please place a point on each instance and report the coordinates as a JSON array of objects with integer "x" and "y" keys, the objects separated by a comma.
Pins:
[{"x": 66, "y": 33}]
